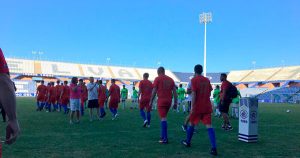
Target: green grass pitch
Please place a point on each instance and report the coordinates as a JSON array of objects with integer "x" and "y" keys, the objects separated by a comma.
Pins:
[{"x": 51, "y": 135}]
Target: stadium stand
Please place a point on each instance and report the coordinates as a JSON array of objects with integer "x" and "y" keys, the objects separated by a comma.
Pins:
[
  {"x": 247, "y": 92},
  {"x": 279, "y": 84},
  {"x": 279, "y": 95},
  {"x": 60, "y": 69},
  {"x": 25, "y": 88},
  {"x": 271, "y": 74},
  {"x": 185, "y": 77},
  {"x": 287, "y": 73}
]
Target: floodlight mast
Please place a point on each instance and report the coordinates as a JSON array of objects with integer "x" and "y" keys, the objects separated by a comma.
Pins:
[{"x": 204, "y": 19}]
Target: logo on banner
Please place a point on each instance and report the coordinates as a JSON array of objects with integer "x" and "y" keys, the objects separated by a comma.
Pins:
[
  {"x": 253, "y": 117},
  {"x": 244, "y": 114}
]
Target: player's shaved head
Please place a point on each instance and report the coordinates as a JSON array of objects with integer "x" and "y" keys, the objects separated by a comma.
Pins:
[
  {"x": 74, "y": 80},
  {"x": 145, "y": 75},
  {"x": 198, "y": 69},
  {"x": 91, "y": 79},
  {"x": 161, "y": 70},
  {"x": 114, "y": 81},
  {"x": 223, "y": 77}
]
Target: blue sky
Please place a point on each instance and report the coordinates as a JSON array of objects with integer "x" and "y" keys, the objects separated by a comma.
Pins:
[{"x": 142, "y": 33}]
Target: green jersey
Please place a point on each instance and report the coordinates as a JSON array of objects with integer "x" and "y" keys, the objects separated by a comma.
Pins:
[
  {"x": 134, "y": 94},
  {"x": 216, "y": 96},
  {"x": 124, "y": 93},
  {"x": 237, "y": 99},
  {"x": 181, "y": 93}
]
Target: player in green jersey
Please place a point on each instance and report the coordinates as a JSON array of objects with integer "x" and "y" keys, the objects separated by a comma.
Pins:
[
  {"x": 216, "y": 96},
  {"x": 124, "y": 95},
  {"x": 134, "y": 98},
  {"x": 181, "y": 98}
]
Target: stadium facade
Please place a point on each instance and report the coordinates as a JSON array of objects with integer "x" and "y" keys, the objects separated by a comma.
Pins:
[{"x": 280, "y": 84}]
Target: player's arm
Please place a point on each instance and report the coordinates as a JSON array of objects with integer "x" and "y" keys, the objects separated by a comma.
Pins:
[
  {"x": 193, "y": 94},
  {"x": 139, "y": 94},
  {"x": 37, "y": 92},
  {"x": 224, "y": 94},
  {"x": 175, "y": 98},
  {"x": 108, "y": 94},
  {"x": 154, "y": 91},
  {"x": 48, "y": 95},
  {"x": 119, "y": 95},
  {"x": 61, "y": 93}
]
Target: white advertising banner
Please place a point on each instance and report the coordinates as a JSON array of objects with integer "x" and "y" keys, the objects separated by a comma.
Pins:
[
  {"x": 60, "y": 69},
  {"x": 125, "y": 73},
  {"x": 20, "y": 66},
  {"x": 248, "y": 120},
  {"x": 96, "y": 71}
]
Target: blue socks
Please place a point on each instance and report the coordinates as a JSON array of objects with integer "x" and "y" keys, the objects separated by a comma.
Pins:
[
  {"x": 143, "y": 114},
  {"x": 81, "y": 110},
  {"x": 65, "y": 108},
  {"x": 189, "y": 133},
  {"x": 148, "y": 117},
  {"x": 113, "y": 111},
  {"x": 102, "y": 111},
  {"x": 42, "y": 105},
  {"x": 164, "y": 128},
  {"x": 212, "y": 137}
]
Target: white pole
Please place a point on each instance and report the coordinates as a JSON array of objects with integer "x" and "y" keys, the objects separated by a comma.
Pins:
[
  {"x": 205, "y": 18},
  {"x": 204, "y": 64}
]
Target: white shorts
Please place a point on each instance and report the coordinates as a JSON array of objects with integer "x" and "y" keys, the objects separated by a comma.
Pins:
[
  {"x": 234, "y": 105},
  {"x": 74, "y": 104}
]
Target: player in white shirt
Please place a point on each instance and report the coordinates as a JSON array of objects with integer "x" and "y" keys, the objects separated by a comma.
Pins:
[{"x": 92, "y": 88}]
